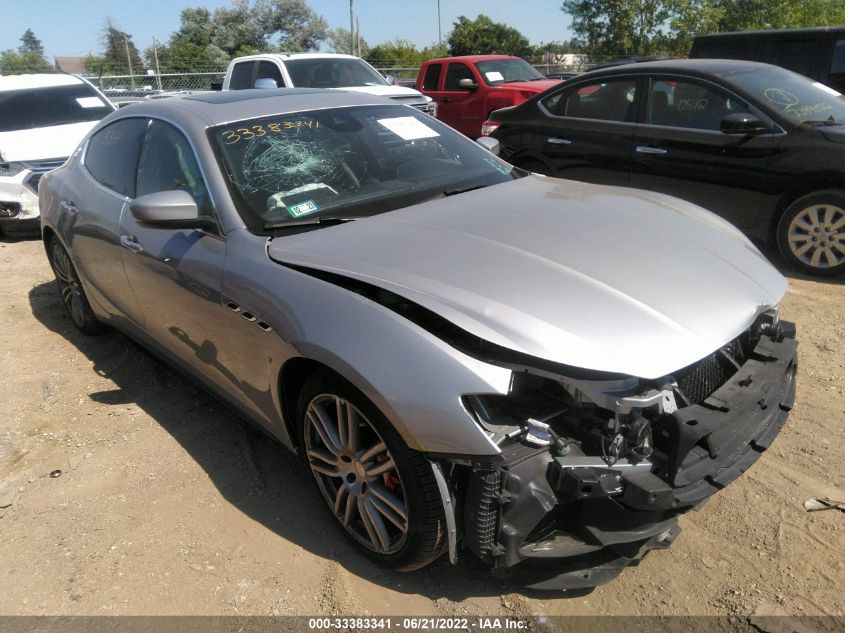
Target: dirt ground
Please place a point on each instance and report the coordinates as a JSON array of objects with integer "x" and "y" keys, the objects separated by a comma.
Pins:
[{"x": 167, "y": 503}]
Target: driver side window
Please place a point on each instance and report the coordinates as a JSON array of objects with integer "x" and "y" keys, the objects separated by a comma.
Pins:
[{"x": 167, "y": 163}]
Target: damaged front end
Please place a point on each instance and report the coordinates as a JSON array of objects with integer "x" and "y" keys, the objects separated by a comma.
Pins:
[{"x": 596, "y": 473}]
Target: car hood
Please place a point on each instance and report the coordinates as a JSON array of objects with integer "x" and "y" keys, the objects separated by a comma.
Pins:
[
  {"x": 56, "y": 141},
  {"x": 391, "y": 92},
  {"x": 601, "y": 278}
]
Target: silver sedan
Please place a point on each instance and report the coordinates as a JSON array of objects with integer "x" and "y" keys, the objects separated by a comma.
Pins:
[{"x": 470, "y": 359}]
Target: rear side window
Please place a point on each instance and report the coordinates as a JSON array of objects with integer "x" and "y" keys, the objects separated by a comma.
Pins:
[
  {"x": 168, "y": 163},
  {"x": 112, "y": 155},
  {"x": 455, "y": 73},
  {"x": 269, "y": 70},
  {"x": 55, "y": 105},
  {"x": 241, "y": 76},
  {"x": 608, "y": 100},
  {"x": 432, "y": 77}
]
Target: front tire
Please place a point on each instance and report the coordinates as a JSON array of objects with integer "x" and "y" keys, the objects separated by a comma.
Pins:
[
  {"x": 382, "y": 493},
  {"x": 811, "y": 234},
  {"x": 71, "y": 291}
]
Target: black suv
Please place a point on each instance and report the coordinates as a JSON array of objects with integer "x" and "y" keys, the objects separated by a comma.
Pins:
[
  {"x": 818, "y": 53},
  {"x": 760, "y": 145}
]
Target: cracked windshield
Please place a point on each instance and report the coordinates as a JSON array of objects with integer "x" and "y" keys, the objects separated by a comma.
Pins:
[{"x": 348, "y": 163}]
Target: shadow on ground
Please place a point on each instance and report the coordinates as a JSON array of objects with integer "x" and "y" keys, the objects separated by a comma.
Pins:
[{"x": 252, "y": 471}]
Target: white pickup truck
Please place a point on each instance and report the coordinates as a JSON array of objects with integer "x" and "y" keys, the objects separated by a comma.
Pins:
[{"x": 319, "y": 70}]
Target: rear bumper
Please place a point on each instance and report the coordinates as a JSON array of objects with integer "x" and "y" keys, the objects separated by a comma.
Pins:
[{"x": 574, "y": 522}]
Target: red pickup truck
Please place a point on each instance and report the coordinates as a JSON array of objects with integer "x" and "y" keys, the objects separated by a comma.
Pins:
[{"x": 468, "y": 89}]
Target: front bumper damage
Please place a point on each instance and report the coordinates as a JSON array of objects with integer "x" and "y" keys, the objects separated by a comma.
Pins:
[{"x": 574, "y": 518}]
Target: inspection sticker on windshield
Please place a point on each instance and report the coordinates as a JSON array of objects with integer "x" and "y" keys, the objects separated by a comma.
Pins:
[
  {"x": 89, "y": 102},
  {"x": 408, "y": 128},
  {"x": 494, "y": 75},
  {"x": 303, "y": 208}
]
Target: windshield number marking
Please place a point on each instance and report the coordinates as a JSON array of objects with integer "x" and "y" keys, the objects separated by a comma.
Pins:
[{"x": 231, "y": 137}]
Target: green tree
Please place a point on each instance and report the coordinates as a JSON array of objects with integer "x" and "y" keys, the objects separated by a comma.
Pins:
[
  {"x": 292, "y": 23},
  {"x": 120, "y": 54},
  {"x": 621, "y": 28},
  {"x": 396, "y": 53},
  {"x": 30, "y": 44},
  {"x": 235, "y": 27},
  {"x": 483, "y": 36},
  {"x": 190, "y": 48},
  {"x": 340, "y": 41},
  {"x": 29, "y": 58}
]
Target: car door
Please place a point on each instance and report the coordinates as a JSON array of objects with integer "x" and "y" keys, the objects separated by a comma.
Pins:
[
  {"x": 459, "y": 107},
  {"x": 177, "y": 273},
  {"x": 586, "y": 131},
  {"x": 90, "y": 209},
  {"x": 681, "y": 150}
]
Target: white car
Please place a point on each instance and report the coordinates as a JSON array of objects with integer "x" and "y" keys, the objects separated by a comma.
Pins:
[
  {"x": 42, "y": 120},
  {"x": 319, "y": 70}
]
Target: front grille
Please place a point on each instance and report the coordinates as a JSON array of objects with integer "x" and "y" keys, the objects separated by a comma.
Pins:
[
  {"x": 9, "y": 209},
  {"x": 699, "y": 380}
]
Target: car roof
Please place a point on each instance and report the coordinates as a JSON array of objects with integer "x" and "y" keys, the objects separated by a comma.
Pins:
[
  {"x": 811, "y": 30},
  {"x": 43, "y": 80},
  {"x": 472, "y": 58},
  {"x": 722, "y": 67},
  {"x": 297, "y": 56},
  {"x": 201, "y": 110}
]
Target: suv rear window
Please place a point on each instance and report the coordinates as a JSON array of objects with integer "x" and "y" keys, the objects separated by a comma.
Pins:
[{"x": 54, "y": 105}]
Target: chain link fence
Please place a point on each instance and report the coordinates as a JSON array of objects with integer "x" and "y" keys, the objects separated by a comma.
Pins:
[{"x": 121, "y": 88}]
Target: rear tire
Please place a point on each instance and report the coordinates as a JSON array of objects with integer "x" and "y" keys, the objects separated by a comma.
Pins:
[
  {"x": 382, "y": 493},
  {"x": 811, "y": 234},
  {"x": 71, "y": 291}
]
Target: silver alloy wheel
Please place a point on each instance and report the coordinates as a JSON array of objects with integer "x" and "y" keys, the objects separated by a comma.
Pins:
[
  {"x": 356, "y": 473},
  {"x": 68, "y": 284},
  {"x": 816, "y": 236}
]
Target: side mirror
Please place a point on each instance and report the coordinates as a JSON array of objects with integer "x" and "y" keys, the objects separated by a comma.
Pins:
[
  {"x": 743, "y": 123},
  {"x": 167, "y": 209},
  {"x": 390, "y": 79},
  {"x": 467, "y": 84},
  {"x": 265, "y": 82},
  {"x": 489, "y": 143}
]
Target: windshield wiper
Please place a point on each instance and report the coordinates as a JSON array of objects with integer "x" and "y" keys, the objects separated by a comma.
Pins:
[
  {"x": 452, "y": 192},
  {"x": 819, "y": 123},
  {"x": 329, "y": 220}
]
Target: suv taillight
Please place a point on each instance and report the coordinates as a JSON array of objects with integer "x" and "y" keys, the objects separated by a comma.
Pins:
[{"x": 488, "y": 127}]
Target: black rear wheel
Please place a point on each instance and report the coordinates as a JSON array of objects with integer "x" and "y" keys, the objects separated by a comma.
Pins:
[
  {"x": 71, "y": 291},
  {"x": 382, "y": 493}
]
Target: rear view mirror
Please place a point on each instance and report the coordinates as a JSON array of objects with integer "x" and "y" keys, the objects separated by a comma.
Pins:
[
  {"x": 743, "y": 123},
  {"x": 266, "y": 82},
  {"x": 172, "y": 209},
  {"x": 467, "y": 84},
  {"x": 390, "y": 79}
]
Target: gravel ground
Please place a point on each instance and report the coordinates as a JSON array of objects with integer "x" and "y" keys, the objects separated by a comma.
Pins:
[{"x": 168, "y": 503}]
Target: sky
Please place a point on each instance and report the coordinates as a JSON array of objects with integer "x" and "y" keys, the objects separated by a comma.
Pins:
[{"x": 70, "y": 28}]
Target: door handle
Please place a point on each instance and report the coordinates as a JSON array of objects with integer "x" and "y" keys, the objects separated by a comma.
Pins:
[
  {"x": 443, "y": 100},
  {"x": 554, "y": 140},
  {"x": 648, "y": 149},
  {"x": 69, "y": 207},
  {"x": 131, "y": 242}
]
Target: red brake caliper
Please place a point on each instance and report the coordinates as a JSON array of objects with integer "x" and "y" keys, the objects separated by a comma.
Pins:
[{"x": 390, "y": 480}]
